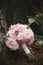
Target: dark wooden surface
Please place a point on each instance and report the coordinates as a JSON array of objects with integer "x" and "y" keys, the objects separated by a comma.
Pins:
[
  {"x": 16, "y": 11},
  {"x": 18, "y": 57}
]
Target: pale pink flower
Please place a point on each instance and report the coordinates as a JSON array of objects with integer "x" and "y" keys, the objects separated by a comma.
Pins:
[
  {"x": 17, "y": 35},
  {"x": 10, "y": 41},
  {"x": 26, "y": 36}
]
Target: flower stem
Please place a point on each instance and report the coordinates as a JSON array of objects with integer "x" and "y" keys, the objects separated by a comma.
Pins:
[
  {"x": 30, "y": 57},
  {"x": 28, "y": 53}
]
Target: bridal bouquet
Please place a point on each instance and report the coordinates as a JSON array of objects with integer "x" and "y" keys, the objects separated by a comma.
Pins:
[{"x": 19, "y": 35}]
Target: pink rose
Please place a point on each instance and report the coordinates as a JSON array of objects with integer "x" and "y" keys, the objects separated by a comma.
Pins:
[{"x": 17, "y": 35}]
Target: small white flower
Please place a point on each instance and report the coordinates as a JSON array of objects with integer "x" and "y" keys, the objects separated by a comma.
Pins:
[
  {"x": 31, "y": 20},
  {"x": 40, "y": 42}
]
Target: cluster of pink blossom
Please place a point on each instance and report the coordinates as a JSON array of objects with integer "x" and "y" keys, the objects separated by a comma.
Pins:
[{"x": 17, "y": 35}]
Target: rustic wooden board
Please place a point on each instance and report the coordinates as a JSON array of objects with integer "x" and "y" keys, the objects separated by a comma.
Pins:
[{"x": 18, "y": 57}]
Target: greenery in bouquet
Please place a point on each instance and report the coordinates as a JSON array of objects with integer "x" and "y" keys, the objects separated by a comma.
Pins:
[{"x": 37, "y": 19}]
